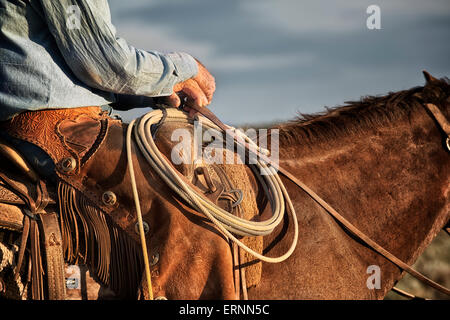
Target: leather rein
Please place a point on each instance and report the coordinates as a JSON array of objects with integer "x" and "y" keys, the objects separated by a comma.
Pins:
[{"x": 444, "y": 125}]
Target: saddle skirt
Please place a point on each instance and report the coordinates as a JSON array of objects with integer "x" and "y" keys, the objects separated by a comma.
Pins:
[
  {"x": 61, "y": 133},
  {"x": 71, "y": 138}
]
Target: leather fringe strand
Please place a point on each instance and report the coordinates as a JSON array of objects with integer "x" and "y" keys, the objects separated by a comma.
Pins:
[{"x": 90, "y": 237}]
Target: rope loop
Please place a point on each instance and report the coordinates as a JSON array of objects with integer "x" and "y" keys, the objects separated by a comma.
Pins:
[{"x": 229, "y": 224}]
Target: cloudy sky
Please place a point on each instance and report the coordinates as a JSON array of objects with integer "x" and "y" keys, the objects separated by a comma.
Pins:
[{"x": 273, "y": 58}]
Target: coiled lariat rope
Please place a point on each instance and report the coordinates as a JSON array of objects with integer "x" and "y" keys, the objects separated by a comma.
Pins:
[{"x": 223, "y": 220}]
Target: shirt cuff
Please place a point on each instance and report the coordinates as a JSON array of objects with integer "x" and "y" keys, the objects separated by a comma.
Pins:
[{"x": 184, "y": 67}]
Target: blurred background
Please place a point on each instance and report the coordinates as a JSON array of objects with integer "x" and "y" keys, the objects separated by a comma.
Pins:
[
  {"x": 274, "y": 58},
  {"x": 435, "y": 264}
]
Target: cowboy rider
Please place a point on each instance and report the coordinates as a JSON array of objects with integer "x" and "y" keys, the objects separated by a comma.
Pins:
[{"x": 66, "y": 54}]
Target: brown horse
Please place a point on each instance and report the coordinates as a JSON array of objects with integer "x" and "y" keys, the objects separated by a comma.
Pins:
[
  {"x": 383, "y": 164},
  {"x": 380, "y": 162}
]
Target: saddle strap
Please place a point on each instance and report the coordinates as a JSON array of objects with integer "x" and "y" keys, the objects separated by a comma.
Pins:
[
  {"x": 349, "y": 226},
  {"x": 441, "y": 120},
  {"x": 23, "y": 245},
  {"x": 54, "y": 256},
  {"x": 37, "y": 279},
  {"x": 45, "y": 230}
]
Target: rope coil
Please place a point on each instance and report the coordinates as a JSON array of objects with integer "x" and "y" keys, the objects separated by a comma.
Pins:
[{"x": 223, "y": 220}]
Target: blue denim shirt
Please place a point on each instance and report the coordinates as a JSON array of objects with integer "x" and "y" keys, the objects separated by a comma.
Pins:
[{"x": 65, "y": 53}]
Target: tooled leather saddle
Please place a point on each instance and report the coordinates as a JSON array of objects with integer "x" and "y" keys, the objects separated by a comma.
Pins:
[
  {"x": 28, "y": 208},
  {"x": 33, "y": 198},
  {"x": 32, "y": 146}
]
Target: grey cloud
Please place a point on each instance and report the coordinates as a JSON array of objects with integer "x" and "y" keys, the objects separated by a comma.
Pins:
[{"x": 332, "y": 65}]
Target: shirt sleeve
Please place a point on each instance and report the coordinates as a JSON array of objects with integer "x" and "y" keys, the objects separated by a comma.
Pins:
[{"x": 88, "y": 42}]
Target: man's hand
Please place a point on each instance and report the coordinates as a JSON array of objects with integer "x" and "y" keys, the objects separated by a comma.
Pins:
[{"x": 199, "y": 90}]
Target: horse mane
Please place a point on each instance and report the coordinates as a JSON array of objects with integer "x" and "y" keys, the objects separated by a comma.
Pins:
[{"x": 355, "y": 117}]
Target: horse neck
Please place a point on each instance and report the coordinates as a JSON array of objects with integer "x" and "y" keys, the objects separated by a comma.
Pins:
[{"x": 390, "y": 181}]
